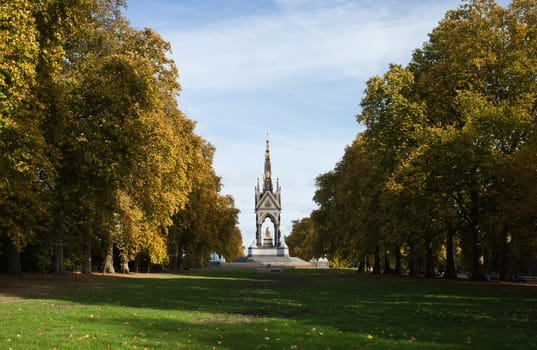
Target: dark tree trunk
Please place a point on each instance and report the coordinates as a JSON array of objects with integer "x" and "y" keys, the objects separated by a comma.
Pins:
[
  {"x": 109, "y": 260},
  {"x": 506, "y": 272},
  {"x": 174, "y": 261},
  {"x": 86, "y": 259},
  {"x": 180, "y": 262},
  {"x": 137, "y": 262},
  {"x": 376, "y": 263},
  {"x": 387, "y": 267},
  {"x": 397, "y": 269},
  {"x": 361, "y": 266},
  {"x": 450, "y": 262},
  {"x": 478, "y": 258},
  {"x": 14, "y": 260},
  {"x": 58, "y": 260},
  {"x": 429, "y": 260},
  {"x": 413, "y": 270}
]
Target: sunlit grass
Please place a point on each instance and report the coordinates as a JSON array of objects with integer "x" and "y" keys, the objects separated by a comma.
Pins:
[{"x": 227, "y": 309}]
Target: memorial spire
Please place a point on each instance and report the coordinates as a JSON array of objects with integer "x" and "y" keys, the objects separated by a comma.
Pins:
[{"x": 267, "y": 177}]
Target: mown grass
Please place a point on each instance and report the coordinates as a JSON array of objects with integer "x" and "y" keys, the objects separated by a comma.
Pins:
[{"x": 230, "y": 309}]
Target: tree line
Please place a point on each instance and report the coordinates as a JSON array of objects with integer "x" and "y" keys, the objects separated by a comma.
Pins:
[
  {"x": 98, "y": 165},
  {"x": 444, "y": 176}
]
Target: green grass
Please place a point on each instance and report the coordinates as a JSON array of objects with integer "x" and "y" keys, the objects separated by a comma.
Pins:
[{"x": 229, "y": 309}]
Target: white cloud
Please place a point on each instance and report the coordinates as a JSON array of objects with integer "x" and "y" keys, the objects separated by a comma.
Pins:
[{"x": 344, "y": 39}]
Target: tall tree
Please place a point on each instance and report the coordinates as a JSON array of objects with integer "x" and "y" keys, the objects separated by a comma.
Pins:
[
  {"x": 25, "y": 169},
  {"x": 473, "y": 73},
  {"x": 394, "y": 118},
  {"x": 208, "y": 222}
]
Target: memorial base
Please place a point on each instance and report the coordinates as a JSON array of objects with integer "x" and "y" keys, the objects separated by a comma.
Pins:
[{"x": 267, "y": 251}]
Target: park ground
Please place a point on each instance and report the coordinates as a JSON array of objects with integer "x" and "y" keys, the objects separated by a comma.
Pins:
[{"x": 234, "y": 309}]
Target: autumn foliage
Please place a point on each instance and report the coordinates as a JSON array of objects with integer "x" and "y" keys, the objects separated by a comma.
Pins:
[{"x": 96, "y": 158}]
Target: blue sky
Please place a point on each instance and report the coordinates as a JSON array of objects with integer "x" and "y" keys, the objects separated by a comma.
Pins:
[{"x": 296, "y": 68}]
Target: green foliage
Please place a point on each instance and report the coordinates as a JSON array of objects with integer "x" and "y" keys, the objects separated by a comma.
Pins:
[
  {"x": 299, "y": 241},
  {"x": 444, "y": 152}
]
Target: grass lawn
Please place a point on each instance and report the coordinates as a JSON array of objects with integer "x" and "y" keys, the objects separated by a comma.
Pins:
[{"x": 231, "y": 309}]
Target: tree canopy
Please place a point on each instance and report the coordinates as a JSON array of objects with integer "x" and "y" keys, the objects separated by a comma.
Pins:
[
  {"x": 97, "y": 161},
  {"x": 443, "y": 177}
]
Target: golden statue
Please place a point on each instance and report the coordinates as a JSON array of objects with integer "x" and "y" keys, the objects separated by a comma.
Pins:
[{"x": 267, "y": 233}]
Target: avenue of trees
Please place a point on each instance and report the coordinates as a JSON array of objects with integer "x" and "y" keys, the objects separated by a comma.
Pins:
[
  {"x": 445, "y": 173},
  {"x": 98, "y": 166}
]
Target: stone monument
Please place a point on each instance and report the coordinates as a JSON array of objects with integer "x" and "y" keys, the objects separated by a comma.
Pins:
[
  {"x": 268, "y": 250},
  {"x": 268, "y": 205}
]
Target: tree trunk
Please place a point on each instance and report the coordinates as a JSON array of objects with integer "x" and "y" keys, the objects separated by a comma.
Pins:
[
  {"x": 109, "y": 260},
  {"x": 429, "y": 260},
  {"x": 124, "y": 263},
  {"x": 361, "y": 266},
  {"x": 376, "y": 263},
  {"x": 14, "y": 260},
  {"x": 86, "y": 260},
  {"x": 450, "y": 262},
  {"x": 387, "y": 268},
  {"x": 478, "y": 258},
  {"x": 506, "y": 272},
  {"x": 180, "y": 261},
  {"x": 174, "y": 261},
  {"x": 58, "y": 260},
  {"x": 397, "y": 269},
  {"x": 137, "y": 262},
  {"x": 413, "y": 271}
]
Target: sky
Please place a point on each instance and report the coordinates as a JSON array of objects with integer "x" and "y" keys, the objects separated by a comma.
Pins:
[{"x": 294, "y": 68}]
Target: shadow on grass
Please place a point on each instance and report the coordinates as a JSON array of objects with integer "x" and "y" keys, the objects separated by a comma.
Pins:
[{"x": 293, "y": 309}]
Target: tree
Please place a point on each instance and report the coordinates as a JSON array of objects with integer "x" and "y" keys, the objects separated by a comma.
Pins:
[
  {"x": 441, "y": 138},
  {"x": 394, "y": 118},
  {"x": 301, "y": 240},
  {"x": 208, "y": 222},
  {"x": 95, "y": 151},
  {"x": 127, "y": 136},
  {"x": 473, "y": 74},
  {"x": 25, "y": 169}
]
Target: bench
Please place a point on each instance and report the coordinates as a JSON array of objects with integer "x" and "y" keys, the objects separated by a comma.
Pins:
[{"x": 271, "y": 269}]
